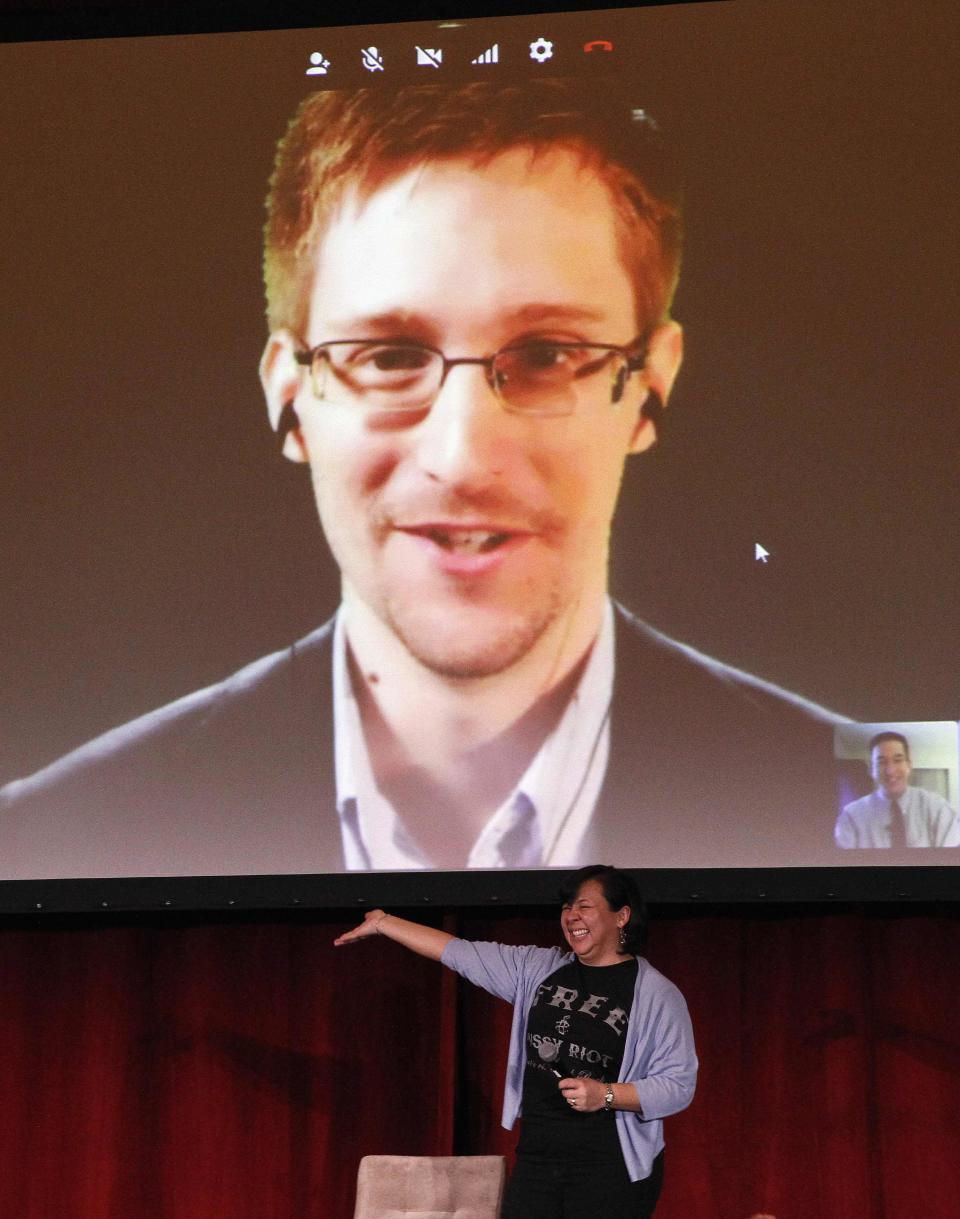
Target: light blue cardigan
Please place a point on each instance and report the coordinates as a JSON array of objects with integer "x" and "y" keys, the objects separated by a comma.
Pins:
[{"x": 658, "y": 1052}]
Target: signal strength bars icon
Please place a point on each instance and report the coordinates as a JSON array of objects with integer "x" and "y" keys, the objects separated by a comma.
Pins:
[{"x": 490, "y": 55}]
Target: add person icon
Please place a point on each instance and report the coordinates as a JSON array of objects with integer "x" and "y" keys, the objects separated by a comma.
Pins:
[{"x": 319, "y": 65}]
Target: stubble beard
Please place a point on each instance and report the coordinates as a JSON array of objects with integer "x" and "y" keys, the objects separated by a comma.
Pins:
[{"x": 483, "y": 653}]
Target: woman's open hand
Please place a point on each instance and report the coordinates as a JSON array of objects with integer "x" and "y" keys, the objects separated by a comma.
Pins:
[{"x": 370, "y": 926}]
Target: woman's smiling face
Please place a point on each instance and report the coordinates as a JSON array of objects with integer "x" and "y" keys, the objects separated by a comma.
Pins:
[{"x": 591, "y": 928}]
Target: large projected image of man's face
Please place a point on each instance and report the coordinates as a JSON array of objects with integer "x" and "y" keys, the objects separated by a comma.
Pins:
[{"x": 476, "y": 535}]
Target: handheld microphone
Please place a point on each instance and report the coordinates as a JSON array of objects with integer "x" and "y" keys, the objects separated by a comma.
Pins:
[{"x": 549, "y": 1052}]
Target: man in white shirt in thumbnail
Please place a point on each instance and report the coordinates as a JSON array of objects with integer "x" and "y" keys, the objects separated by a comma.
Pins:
[{"x": 896, "y": 814}]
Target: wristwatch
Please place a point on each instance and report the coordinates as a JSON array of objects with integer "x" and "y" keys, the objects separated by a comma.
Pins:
[{"x": 608, "y": 1099}]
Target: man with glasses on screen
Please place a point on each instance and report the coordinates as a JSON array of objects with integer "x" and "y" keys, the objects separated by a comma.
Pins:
[{"x": 468, "y": 297}]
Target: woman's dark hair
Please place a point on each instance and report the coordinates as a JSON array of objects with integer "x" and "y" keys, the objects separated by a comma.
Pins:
[{"x": 620, "y": 889}]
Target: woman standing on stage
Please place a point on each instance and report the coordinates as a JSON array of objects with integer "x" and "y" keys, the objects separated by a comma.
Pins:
[{"x": 601, "y": 1050}]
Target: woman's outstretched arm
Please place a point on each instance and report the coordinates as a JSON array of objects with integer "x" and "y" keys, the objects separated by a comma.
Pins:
[{"x": 426, "y": 941}]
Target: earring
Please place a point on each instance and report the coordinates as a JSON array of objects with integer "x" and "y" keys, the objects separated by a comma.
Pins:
[
  {"x": 288, "y": 420},
  {"x": 621, "y": 939},
  {"x": 652, "y": 409}
]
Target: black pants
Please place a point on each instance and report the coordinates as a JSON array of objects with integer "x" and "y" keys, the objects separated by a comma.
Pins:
[{"x": 541, "y": 1188}]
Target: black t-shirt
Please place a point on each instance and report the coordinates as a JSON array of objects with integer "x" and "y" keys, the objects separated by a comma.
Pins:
[{"x": 575, "y": 1028}]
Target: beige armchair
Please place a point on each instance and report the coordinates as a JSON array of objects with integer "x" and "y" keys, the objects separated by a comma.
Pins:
[{"x": 430, "y": 1187}]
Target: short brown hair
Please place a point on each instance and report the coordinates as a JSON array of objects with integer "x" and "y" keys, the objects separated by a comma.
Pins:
[
  {"x": 890, "y": 736},
  {"x": 365, "y": 137}
]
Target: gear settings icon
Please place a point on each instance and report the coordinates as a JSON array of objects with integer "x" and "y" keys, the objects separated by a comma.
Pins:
[{"x": 541, "y": 50}]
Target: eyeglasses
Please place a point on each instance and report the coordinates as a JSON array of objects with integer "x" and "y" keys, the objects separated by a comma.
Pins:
[{"x": 538, "y": 378}]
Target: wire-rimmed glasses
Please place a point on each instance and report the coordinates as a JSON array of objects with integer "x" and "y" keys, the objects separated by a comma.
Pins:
[{"x": 538, "y": 377}]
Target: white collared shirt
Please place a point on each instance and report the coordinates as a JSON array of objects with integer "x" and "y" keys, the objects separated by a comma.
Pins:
[
  {"x": 928, "y": 820},
  {"x": 541, "y": 823}
]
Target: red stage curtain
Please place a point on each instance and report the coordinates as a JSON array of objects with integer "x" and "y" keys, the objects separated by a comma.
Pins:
[{"x": 197, "y": 1069}]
